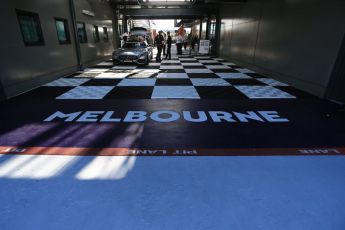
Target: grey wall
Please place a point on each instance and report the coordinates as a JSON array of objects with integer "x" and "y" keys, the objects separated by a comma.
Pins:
[
  {"x": 336, "y": 86},
  {"x": 24, "y": 67},
  {"x": 93, "y": 51},
  {"x": 296, "y": 41}
]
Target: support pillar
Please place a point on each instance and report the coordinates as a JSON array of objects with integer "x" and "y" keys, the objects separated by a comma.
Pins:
[
  {"x": 75, "y": 33},
  {"x": 208, "y": 27},
  {"x": 116, "y": 34},
  {"x": 200, "y": 29},
  {"x": 124, "y": 24},
  {"x": 217, "y": 33}
]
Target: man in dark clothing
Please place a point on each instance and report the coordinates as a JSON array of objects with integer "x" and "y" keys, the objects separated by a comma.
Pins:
[
  {"x": 164, "y": 46},
  {"x": 169, "y": 41},
  {"x": 194, "y": 41},
  {"x": 159, "y": 42}
]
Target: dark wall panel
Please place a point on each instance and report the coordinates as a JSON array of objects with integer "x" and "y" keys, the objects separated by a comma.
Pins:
[
  {"x": 336, "y": 86},
  {"x": 243, "y": 40},
  {"x": 225, "y": 35},
  {"x": 295, "y": 41}
]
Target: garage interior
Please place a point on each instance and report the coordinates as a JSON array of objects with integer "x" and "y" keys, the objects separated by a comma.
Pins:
[{"x": 248, "y": 136}]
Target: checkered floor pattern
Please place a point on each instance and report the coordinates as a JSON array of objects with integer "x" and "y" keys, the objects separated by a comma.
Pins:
[{"x": 185, "y": 77}]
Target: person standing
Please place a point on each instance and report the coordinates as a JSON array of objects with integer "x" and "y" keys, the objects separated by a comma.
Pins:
[
  {"x": 159, "y": 43},
  {"x": 185, "y": 41},
  {"x": 194, "y": 41},
  {"x": 179, "y": 44},
  {"x": 125, "y": 36},
  {"x": 169, "y": 41},
  {"x": 164, "y": 45}
]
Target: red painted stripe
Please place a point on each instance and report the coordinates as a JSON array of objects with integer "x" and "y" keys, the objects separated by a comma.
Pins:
[{"x": 73, "y": 151}]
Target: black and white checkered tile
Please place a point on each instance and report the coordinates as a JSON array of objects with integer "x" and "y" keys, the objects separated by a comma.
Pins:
[{"x": 188, "y": 77}]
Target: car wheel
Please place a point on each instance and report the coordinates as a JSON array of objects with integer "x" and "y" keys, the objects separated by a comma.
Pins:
[
  {"x": 115, "y": 62},
  {"x": 147, "y": 60}
]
